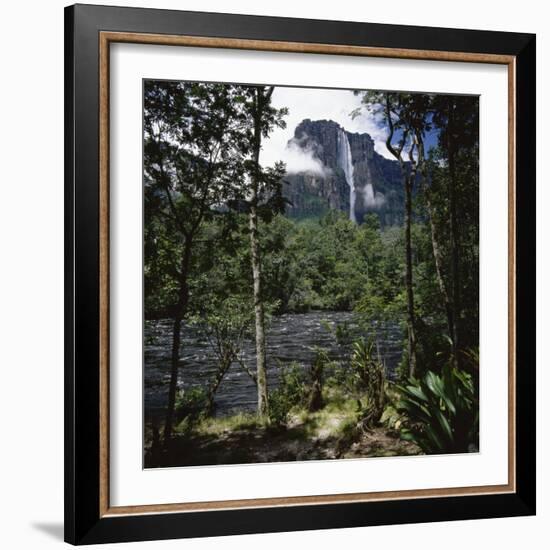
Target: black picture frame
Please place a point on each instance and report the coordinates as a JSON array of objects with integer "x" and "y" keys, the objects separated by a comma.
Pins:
[{"x": 84, "y": 523}]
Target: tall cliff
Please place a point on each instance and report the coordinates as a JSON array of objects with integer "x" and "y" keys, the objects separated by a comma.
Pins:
[{"x": 347, "y": 174}]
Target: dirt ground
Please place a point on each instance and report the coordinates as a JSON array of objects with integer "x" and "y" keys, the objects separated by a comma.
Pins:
[{"x": 301, "y": 440}]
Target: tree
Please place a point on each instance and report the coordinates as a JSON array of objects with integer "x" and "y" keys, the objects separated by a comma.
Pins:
[
  {"x": 405, "y": 116},
  {"x": 435, "y": 239},
  {"x": 226, "y": 322},
  {"x": 457, "y": 118},
  {"x": 223, "y": 310},
  {"x": 194, "y": 142},
  {"x": 264, "y": 201}
]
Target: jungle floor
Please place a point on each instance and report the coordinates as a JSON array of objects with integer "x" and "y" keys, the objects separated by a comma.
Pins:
[{"x": 331, "y": 433}]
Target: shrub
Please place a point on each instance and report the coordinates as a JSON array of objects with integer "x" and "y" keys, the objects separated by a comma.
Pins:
[
  {"x": 293, "y": 383},
  {"x": 370, "y": 379},
  {"x": 392, "y": 419},
  {"x": 342, "y": 332},
  {"x": 291, "y": 392},
  {"x": 191, "y": 404},
  {"x": 317, "y": 379},
  {"x": 442, "y": 410},
  {"x": 279, "y": 408}
]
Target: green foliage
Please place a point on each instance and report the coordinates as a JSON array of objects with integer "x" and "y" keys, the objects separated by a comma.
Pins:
[
  {"x": 213, "y": 425},
  {"x": 317, "y": 375},
  {"x": 316, "y": 265},
  {"x": 279, "y": 408},
  {"x": 290, "y": 392},
  {"x": 392, "y": 418},
  {"x": 366, "y": 367},
  {"x": 293, "y": 383},
  {"x": 199, "y": 171},
  {"x": 340, "y": 331},
  {"x": 328, "y": 271},
  {"x": 370, "y": 380},
  {"x": 190, "y": 406},
  {"x": 383, "y": 296},
  {"x": 443, "y": 412},
  {"x": 226, "y": 318}
]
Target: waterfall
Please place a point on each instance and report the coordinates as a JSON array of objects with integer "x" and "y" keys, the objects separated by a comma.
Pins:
[{"x": 345, "y": 163}]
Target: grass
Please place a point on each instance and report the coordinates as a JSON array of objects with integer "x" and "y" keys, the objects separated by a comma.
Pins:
[
  {"x": 331, "y": 420},
  {"x": 331, "y": 432},
  {"x": 217, "y": 426},
  {"x": 335, "y": 420}
]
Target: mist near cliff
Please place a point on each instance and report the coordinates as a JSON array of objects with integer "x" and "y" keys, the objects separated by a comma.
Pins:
[{"x": 316, "y": 104}]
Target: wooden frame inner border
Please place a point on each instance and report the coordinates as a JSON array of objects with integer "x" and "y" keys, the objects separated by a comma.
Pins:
[{"x": 105, "y": 39}]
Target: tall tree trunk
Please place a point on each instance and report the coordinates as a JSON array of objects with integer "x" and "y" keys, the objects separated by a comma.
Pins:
[
  {"x": 261, "y": 374},
  {"x": 436, "y": 249},
  {"x": 408, "y": 182},
  {"x": 438, "y": 260},
  {"x": 181, "y": 310},
  {"x": 453, "y": 236},
  {"x": 411, "y": 323}
]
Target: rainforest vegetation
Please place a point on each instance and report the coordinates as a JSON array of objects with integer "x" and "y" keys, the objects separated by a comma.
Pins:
[{"x": 222, "y": 261}]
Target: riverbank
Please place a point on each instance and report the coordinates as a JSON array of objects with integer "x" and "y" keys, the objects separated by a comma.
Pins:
[{"x": 330, "y": 433}]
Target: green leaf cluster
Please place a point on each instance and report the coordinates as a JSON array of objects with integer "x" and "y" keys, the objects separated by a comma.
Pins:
[{"x": 443, "y": 411}]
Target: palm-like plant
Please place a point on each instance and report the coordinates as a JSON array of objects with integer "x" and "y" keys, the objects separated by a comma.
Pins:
[
  {"x": 370, "y": 379},
  {"x": 442, "y": 410}
]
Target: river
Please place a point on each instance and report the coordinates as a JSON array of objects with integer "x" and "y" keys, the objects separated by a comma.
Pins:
[{"x": 290, "y": 338}]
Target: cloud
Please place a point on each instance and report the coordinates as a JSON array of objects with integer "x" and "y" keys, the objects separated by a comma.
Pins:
[
  {"x": 318, "y": 104},
  {"x": 300, "y": 160},
  {"x": 369, "y": 123}
]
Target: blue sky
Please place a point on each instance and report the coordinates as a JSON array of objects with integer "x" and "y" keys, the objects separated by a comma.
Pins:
[{"x": 318, "y": 104}]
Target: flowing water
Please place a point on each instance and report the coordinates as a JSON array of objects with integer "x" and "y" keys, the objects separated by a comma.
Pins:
[
  {"x": 346, "y": 164},
  {"x": 290, "y": 338}
]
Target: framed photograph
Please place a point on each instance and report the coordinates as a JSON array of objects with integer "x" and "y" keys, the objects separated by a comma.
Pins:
[{"x": 299, "y": 274}]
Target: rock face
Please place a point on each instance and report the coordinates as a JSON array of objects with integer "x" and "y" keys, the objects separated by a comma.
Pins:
[{"x": 347, "y": 174}]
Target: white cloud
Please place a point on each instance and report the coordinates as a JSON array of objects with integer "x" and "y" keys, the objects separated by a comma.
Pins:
[
  {"x": 303, "y": 160},
  {"x": 318, "y": 104}
]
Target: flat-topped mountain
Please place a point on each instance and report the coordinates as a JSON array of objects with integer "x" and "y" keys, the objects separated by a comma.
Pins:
[{"x": 344, "y": 173}]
